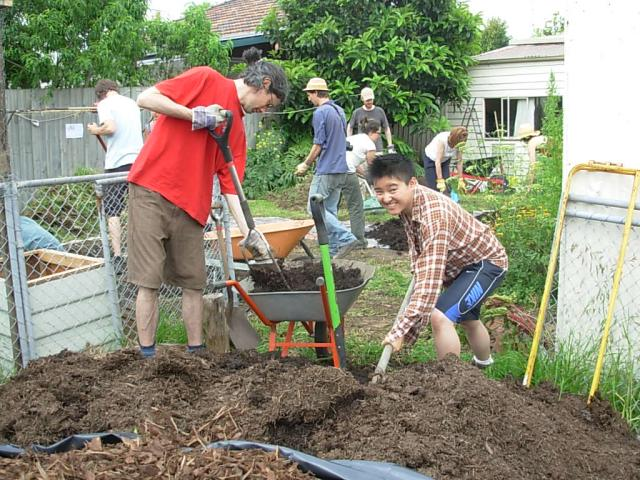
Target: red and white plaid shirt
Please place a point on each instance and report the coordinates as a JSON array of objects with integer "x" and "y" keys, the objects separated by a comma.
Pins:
[{"x": 443, "y": 239}]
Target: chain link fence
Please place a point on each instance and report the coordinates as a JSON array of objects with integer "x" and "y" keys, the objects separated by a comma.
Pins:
[{"x": 64, "y": 288}]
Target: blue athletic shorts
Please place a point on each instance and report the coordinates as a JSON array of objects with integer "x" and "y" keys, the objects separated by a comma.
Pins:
[{"x": 462, "y": 300}]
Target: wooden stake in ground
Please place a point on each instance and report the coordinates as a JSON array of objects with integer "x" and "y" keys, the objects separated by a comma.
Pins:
[{"x": 216, "y": 331}]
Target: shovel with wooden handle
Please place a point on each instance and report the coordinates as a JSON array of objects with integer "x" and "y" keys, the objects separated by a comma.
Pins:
[
  {"x": 381, "y": 367},
  {"x": 241, "y": 333}
]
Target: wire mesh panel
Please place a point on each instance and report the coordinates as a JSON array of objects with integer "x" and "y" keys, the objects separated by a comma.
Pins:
[
  {"x": 591, "y": 245},
  {"x": 68, "y": 266}
]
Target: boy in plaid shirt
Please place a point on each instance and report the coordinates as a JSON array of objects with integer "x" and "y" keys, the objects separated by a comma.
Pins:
[{"x": 448, "y": 248}]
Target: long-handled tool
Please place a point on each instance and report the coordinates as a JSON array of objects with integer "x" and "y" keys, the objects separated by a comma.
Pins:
[
  {"x": 388, "y": 349},
  {"x": 317, "y": 211},
  {"x": 222, "y": 139},
  {"x": 241, "y": 333}
]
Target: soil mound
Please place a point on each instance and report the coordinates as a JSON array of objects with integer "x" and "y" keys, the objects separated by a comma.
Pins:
[
  {"x": 302, "y": 277},
  {"x": 444, "y": 419},
  {"x": 390, "y": 233}
]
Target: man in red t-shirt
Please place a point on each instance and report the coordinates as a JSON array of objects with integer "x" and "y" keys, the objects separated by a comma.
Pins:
[{"x": 172, "y": 179}]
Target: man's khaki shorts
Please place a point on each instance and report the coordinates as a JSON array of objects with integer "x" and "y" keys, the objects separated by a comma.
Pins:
[{"x": 165, "y": 244}]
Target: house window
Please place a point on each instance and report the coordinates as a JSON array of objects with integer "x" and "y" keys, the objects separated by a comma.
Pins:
[{"x": 504, "y": 116}]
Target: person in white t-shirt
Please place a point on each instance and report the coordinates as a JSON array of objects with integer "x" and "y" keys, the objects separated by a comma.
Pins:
[
  {"x": 120, "y": 124},
  {"x": 437, "y": 156},
  {"x": 361, "y": 150}
]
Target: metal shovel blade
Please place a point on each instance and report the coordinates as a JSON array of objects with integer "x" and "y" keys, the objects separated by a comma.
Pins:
[{"x": 241, "y": 333}]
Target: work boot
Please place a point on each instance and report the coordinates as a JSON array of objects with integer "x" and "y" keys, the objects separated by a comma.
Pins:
[{"x": 346, "y": 249}]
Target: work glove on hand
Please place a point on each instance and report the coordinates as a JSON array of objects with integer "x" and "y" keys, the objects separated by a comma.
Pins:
[
  {"x": 441, "y": 185},
  {"x": 396, "y": 344},
  {"x": 255, "y": 244},
  {"x": 207, "y": 117},
  {"x": 391, "y": 148},
  {"x": 461, "y": 185},
  {"x": 301, "y": 169}
]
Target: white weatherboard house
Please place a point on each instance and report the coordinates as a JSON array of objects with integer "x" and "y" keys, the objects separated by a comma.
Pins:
[{"x": 508, "y": 89}]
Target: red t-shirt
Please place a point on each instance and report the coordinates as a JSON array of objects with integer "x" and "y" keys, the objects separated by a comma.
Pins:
[{"x": 179, "y": 163}]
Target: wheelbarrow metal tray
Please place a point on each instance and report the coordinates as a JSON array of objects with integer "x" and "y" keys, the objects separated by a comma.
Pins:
[
  {"x": 282, "y": 237},
  {"x": 307, "y": 305}
]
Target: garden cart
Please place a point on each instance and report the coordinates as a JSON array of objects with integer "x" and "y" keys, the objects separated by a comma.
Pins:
[{"x": 321, "y": 313}]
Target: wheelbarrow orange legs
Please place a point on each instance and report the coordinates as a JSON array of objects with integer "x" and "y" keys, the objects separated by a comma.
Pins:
[{"x": 288, "y": 338}]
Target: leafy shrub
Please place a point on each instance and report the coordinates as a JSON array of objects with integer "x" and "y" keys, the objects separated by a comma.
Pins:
[
  {"x": 269, "y": 166},
  {"x": 525, "y": 221}
]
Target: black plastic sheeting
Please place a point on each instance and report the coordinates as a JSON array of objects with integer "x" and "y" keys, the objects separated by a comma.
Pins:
[
  {"x": 323, "y": 469},
  {"x": 74, "y": 442},
  {"x": 331, "y": 469}
]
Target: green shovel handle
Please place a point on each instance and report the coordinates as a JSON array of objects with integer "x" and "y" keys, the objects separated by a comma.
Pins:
[{"x": 316, "y": 202}]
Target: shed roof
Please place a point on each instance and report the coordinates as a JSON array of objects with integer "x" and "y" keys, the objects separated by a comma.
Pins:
[
  {"x": 530, "y": 49},
  {"x": 238, "y": 18}
]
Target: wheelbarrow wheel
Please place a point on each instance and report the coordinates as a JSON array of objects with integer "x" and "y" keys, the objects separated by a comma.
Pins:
[{"x": 321, "y": 335}]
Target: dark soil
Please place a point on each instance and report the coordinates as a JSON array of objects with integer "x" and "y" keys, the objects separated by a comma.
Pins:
[
  {"x": 302, "y": 277},
  {"x": 444, "y": 419},
  {"x": 390, "y": 233}
]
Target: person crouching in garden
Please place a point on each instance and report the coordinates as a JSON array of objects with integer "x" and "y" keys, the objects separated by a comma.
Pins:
[{"x": 448, "y": 248}]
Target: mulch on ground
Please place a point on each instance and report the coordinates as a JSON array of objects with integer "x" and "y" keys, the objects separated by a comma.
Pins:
[
  {"x": 389, "y": 233},
  {"x": 444, "y": 419}
]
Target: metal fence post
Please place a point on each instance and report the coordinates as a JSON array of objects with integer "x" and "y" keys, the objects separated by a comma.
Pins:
[
  {"x": 114, "y": 303},
  {"x": 19, "y": 274}
]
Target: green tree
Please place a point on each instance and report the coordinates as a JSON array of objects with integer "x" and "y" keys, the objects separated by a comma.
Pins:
[
  {"x": 67, "y": 43},
  {"x": 414, "y": 54},
  {"x": 190, "y": 39},
  {"x": 555, "y": 26},
  {"x": 494, "y": 35}
]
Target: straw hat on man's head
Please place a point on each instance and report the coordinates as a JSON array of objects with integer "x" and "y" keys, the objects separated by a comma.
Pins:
[
  {"x": 316, "y": 85},
  {"x": 526, "y": 130}
]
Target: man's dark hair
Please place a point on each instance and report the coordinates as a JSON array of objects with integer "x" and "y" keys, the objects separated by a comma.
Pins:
[
  {"x": 104, "y": 86},
  {"x": 391, "y": 165},
  {"x": 257, "y": 70},
  {"x": 368, "y": 125}
]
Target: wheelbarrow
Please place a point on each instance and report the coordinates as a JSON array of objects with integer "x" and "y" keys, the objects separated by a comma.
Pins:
[
  {"x": 321, "y": 312},
  {"x": 282, "y": 237}
]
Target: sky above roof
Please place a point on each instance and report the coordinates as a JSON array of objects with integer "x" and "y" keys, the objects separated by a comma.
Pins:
[{"x": 522, "y": 16}]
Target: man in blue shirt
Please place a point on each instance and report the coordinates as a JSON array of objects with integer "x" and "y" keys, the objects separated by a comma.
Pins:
[
  {"x": 330, "y": 149},
  {"x": 35, "y": 237}
]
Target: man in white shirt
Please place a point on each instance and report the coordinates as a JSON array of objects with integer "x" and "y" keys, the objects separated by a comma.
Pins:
[
  {"x": 120, "y": 124},
  {"x": 361, "y": 150}
]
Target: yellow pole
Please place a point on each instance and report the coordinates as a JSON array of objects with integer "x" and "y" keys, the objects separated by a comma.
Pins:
[
  {"x": 616, "y": 285},
  {"x": 548, "y": 284}
]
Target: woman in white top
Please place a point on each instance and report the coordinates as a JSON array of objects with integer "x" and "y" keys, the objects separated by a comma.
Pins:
[
  {"x": 437, "y": 156},
  {"x": 362, "y": 152}
]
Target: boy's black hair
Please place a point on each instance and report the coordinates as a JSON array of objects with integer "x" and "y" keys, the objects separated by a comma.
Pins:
[{"x": 391, "y": 165}]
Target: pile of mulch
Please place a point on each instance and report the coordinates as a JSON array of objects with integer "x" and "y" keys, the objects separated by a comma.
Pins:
[
  {"x": 154, "y": 456},
  {"x": 444, "y": 419},
  {"x": 301, "y": 277},
  {"x": 389, "y": 233}
]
